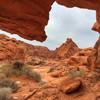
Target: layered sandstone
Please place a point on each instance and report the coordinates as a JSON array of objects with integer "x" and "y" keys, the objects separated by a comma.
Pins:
[
  {"x": 12, "y": 49},
  {"x": 62, "y": 79},
  {"x": 94, "y": 58},
  {"x": 9, "y": 50},
  {"x": 66, "y": 50},
  {"x": 80, "y": 58},
  {"x": 15, "y": 50},
  {"x": 28, "y": 18}
]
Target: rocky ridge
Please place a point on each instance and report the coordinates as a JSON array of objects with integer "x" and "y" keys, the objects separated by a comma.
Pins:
[
  {"x": 76, "y": 77},
  {"x": 13, "y": 50},
  {"x": 67, "y": 49}
]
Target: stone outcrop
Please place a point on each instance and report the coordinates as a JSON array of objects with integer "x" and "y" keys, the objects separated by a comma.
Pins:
[
  {"x": 97, "y": 53},
  {"x": 15, "y": 50},
  {"x": 80, "y": 58},
  {"x": 60, "y": 81},
  {"x": 9, "y": 50},
  {"x": 70, "y": 86},
  {"x": 94, "y": 58},
  {"x": 12, "y": 49},
  {"x": 66, "y": 50},
  {"x": 28, "y": 18}
]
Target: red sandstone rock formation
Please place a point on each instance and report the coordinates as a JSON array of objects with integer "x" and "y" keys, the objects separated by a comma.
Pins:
[
  {"x": 9, "y": 50},
  {"x": 94, "y": 58},
  {"x": 66, "y": 50},
  {"x": 13, "y": 50},
  {"x": 28, "y": 18},
  {"x": 80, "y": 58},
  {"x": 58, "y": 82}
]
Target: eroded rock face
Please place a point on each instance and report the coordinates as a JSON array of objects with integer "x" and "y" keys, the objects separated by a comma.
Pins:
[
  {"x": 66, "y": 50},
  {"x": 13, "y": 50},
  {"x": 94, "y": 58},
  {"x": 80, "y": 3},
  {"x": 28, "y": 18},
  {"x": 80, "y": 58},
  {"x": 9, "y": 50}
]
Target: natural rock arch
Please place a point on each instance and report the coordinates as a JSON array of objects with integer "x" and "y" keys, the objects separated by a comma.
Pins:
[{"x": 28, "y": 18}]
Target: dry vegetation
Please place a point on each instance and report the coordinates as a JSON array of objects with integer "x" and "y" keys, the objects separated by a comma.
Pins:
[{"x": 18, "y": 69}]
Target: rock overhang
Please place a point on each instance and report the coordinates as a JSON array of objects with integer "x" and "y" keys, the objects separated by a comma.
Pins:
[{"x": 28, "y": 18}]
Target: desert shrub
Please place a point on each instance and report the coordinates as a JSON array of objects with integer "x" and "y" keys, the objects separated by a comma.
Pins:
[
  {"x": 32, "y": 74},
  {"x": 18, "y": 65},
  {"x": 7, "y": 83},
  {"x": 19, "y": 69},
  {"x": 5, "y": 94},
  {"x": 51, "y": 70},
  {"x": 25, "y": 70},
  {"x": 42, "y": 83},
  {"x": 36, "y": 76},
  {"x": 4, "y": 69},
  {"x": 12, "y": 69},
  {"x": 76, "y": 73}
]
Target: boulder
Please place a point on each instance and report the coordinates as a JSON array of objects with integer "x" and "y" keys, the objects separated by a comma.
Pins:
[{"x": 70, "y": 85}]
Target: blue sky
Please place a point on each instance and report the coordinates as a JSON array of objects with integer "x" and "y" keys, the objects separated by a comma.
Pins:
[{"x": 68, "y": 22}]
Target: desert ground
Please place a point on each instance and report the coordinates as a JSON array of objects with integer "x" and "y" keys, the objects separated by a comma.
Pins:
[{"x": 30, "y": 72}]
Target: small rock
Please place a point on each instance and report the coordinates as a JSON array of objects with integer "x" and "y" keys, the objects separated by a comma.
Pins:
[
  {"x": 56, "y": 74},
  {"x": 15, "y": 98},
  {"x": 18, "y": 82},
  {"x": 70, "y": 85}
]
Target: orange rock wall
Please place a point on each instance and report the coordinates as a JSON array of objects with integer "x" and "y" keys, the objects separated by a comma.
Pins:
[
  {"x": 94, "y": 58},
  {"x": 26, "y": 18}
]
